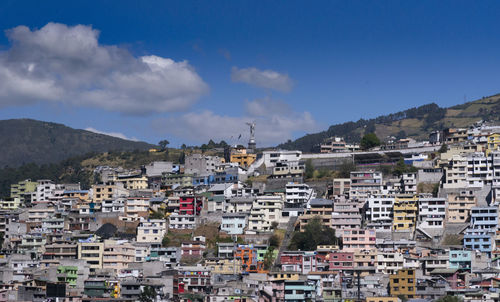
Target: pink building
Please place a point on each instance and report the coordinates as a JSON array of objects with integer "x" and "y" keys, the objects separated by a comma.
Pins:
[
  {"x": 302, "y": 262},
  {"x": 357, "y": 239},
  {"x": 341, "y": 260}
]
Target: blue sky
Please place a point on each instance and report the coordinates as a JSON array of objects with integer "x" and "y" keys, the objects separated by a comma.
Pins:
[{"x": 294, "y": 67}]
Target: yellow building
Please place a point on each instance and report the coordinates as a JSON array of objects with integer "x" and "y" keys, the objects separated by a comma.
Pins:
[
  {"x": 224, "y": 266},
  {"x": 109, "y": 190},
  {"x": 92, "y": 252},
  {"x": 289, "y": 276},
  {"x": 18, "y": 190},
  {"x": 405, "y": 212},
  {"x": 403, "y": 283},
  {"x": 134, "y": 183},
  {"x": 459, "y": 206},
  {"x": 493, "y": 143},
  {"x": 241, "y": 157},
  {"x": 10, "y": 204}
]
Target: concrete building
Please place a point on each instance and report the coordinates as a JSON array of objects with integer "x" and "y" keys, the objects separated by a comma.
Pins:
[
  {"x": 181, "y": 222},
  {"x": 346, "y": 215},
  {"x": 265, "y": 211},
  {"x": 364, "y": 184},
  {"x": 483, "y": 226},
  {"x": 92, "y": 252},
  {"x": 151, "y": 230},
  {"x": 199, "y": 164},
  {"x": 317, "y": 207},
  {"x": 459, "y": 206},
  {"x": 380, "y": 208},
  {"x": 431, "y": 212},
  {"x": 298, "y": 194},
  {"x": 109, "y": 190},
  {"x": 117, "y": 254},
  {"x": 20, "y": 189},
  {"x": 234, "y": 223},
  {"x": 403, "y": 283},
  {"x": 357, "y": 239},
  {"x": 405, "y": 213}
]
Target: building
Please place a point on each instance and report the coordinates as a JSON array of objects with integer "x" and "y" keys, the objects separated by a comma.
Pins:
[
  {"x": 117, "y": 254},
  {"x": 109, "y": 190},
  {"x": 151, "y": 230},
  {"x": 483, "y": 226},
  {"x": 242, "y": 157},
  {"x": 234, "y": 223},
  {"x": 357, "y": 239},
  {"x": 266, "y": 210},
  {"x": 405, "y": 213},
  {"x": 459, "y": 206},
  {"x": 317, "y": 207},
  {"x": 181, "y": 222},
  {"x": 301, "y": 262},
  {"x": 199, "y": 164},
  {"x": 20, "y": 189},
  {"x": 341, "y": 186},
  {"x": 403, "y": 283},
  {"x": 297, "y": 195},
  {"x": 364, "y": 184},
  {"x": 346, "y": 215},
  {"x": 190, "y": 205},
  {"x": 92, "y": 252},
  {"x": 380, "y": 208},
  {"x": 431, "y": 212}
]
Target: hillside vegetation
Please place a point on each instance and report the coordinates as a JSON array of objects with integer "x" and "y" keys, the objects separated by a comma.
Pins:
[
  {"x": 415, "y": 123},
  {"x": 25, "y": 141}
]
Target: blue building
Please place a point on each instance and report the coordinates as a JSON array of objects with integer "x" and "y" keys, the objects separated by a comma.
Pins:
[
  {"x": 234, "y": 223},
  {"x": 300, "y": 290},
  {"x": 460, "y": 259},
  {"x": 480, "y": 235}
]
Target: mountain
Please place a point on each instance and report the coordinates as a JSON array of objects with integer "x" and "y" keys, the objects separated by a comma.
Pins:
[
  {"x": 31, "y": 141},
  {"x": 415, "y": 122}
]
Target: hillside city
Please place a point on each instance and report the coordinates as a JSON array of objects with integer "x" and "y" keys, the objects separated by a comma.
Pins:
[{"x": 391, "y": 220}]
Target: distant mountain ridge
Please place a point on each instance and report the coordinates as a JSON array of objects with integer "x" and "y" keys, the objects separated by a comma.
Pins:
[
  {"x": 415, "y": 122},
  {"x": 31, "y": 141}
]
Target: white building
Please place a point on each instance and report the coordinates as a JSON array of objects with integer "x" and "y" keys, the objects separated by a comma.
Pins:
[
  {"x": 364, "y": 184},
  {"x": 431, "y": 212},
  {"x": 45, "y": 189},
  {"x": 379, "y": 208},
  {"x": 181, "y": 222},
  {"x": 265, "y": 211},
  {"x": 298, "y": 194},
  {"x": 151, "y": 230},
  {"x": 272, "y": 157}
]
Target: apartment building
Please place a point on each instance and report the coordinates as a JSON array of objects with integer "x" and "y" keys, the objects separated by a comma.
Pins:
[
  {"x": 346, "y": 215},
  {"x": 298, "y": 194},
  {"x": 459, "y": 206},
  {"x": 92, "y": 252},
  {"x": 234, "y": 223},
  {"x": 151, "y": 230},
  {"x": 341, "y": 186},
  {"x": 117, "y": 254},
  {"x": 380, "y": 208},
  {"x": 199, "y": 164},
  {"x": 239, "y": 204},
  {"x": 364, "y": 184},
  {"x": 265, "y": 211},
  {"x": 109, "y": 190},
  {"x": 431, "y": 212},
  {"x": 403, "y": 283},
  {"x": 301, "y": 261},
  {"x": 357, "y": 239},
  {"x": 318, "y": 207},
  {"x": 483, "y": 226},
  {"x": 405, "y": 213},
  {"x": 389, "y": 262},
  {"x": 181, "y": 222},
  {"x": 137, "y": 206}
]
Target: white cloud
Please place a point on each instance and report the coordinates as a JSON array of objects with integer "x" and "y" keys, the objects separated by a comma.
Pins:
[
  {"x": 272, "y": 127},
  {"x": 268, "y": 79},
  {"x": 66, "y": 64},
  {"x": 114, "y": 134}
]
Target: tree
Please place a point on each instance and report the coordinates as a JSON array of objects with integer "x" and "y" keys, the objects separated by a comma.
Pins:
[
  {"x": 309, "y": 169},
  {"x": 269, "y": 258},
  {"x": 163, "y": 144},
  {"x": 443, "y": 149},
  {"x": 165, "y": 241},
  {"x": 148, "y": 294},
  {"x": 346, "y": 168},
  {"x": 182, "y": 158},
  {"x": 369, "y": 141},
  {"x": 274, "y": 241},
  {"x": 448, "y": 298},
  {"x": 315, "y": 234}
]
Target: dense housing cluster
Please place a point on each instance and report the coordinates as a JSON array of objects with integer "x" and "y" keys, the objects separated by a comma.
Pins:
[{"x": 409, "y": 221}]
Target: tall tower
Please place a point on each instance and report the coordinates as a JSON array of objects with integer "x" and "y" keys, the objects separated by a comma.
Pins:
[{"x": 251, "y": 142}]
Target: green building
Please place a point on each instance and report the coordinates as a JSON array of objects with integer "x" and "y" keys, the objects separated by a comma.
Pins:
[
  {"x": 21, "y": 188},
  {"x": 67, "y": 274}
]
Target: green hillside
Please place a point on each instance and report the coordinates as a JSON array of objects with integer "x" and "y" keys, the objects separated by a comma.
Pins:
[
  {"x": 25, "y": 141},
  {"x": 415, "y": 123}
]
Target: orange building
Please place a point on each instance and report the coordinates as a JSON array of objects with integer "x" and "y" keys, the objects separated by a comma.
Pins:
[{"x": 248, "y": 256}]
